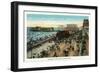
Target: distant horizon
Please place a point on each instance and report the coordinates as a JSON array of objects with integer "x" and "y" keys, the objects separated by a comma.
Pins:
[
  {"x": 42, "y": 20},
  {"x": 49, "y": 26}
]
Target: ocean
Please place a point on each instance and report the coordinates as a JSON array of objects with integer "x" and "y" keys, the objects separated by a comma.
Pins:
[{"x": 37, "y": 35}]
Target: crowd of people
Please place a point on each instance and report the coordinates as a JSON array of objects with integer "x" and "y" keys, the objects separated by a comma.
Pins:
[{"x": 75, "y": 44}]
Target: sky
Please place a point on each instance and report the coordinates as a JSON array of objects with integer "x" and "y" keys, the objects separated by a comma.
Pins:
[{"x": 44, "y": 20}]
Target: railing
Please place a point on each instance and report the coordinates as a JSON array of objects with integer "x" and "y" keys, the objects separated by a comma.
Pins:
[{"x": 41, "y": 42}]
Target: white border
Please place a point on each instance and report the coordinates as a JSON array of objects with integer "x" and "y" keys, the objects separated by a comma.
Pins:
[
  {"x": 60, "y": 62},
  {"x": 45, "y": 13}
]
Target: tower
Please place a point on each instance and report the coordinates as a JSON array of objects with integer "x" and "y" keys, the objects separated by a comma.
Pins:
[{"x": 85, "y": 23}]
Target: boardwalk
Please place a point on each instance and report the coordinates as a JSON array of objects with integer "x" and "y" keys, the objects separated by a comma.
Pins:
[
  {"x": 75, "y": 45},
  {"x": 42, "y": 42}
]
